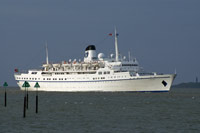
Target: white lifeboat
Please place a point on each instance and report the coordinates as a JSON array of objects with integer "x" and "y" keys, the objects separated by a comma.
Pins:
[{"x": 56, "y": 65}]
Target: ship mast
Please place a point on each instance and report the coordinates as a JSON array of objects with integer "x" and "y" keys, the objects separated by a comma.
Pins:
[
  {"x": 129, "y": 56},
  {"x": 116, "y": 46},
  {"x": 47, "y": 57}
]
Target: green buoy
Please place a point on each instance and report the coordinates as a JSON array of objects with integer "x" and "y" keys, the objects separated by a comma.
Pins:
[
  {"x": 5, "y": 98},
  {"x": 36, "y": 86},
  {"x": 26, "y": 85}
]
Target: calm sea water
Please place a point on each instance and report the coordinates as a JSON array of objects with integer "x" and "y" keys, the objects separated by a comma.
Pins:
[{"x": 174, "y": 111}]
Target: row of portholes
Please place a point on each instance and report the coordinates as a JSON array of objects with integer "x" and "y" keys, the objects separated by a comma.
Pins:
[
  {"x": 28, "y": 78},
  {"x": 96, "y": 78},
  {"x": 114, "y": 77}
]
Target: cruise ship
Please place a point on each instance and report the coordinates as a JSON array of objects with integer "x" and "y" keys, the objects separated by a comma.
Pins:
[{"x": 95, "y": 73}]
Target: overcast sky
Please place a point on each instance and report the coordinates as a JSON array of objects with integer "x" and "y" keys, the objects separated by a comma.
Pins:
[{"x": 163, "y": 35}]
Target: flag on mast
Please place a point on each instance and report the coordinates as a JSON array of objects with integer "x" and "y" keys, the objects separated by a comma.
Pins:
[{"x": 110, "y": 34}]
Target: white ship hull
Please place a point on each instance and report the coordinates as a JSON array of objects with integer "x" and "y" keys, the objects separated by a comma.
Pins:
[{"x": 142, "y": 83}]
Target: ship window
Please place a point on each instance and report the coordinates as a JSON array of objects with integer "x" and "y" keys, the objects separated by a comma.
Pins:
[
  {"x": 43, "y": 78},
  {"x": 129, "y": 65},
  {"x": 104, "y": 73},
  {"x": 108, "y": 72},
  {"x": 34, "y": 73},
  {"x": 100, "y": 73}
]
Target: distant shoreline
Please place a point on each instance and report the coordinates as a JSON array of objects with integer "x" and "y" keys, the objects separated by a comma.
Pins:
[{"x": 187, "y": 85}]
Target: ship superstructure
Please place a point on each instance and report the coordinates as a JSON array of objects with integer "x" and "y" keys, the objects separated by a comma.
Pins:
[{"x": 95, "y": 73}]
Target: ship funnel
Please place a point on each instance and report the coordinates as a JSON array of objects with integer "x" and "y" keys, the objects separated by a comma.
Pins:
[{"x": 90, "y": 53}]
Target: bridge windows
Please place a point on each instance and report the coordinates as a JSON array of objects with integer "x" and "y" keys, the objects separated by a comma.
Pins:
[
  {"x": 129, "y": 64},
  {"x": 34, "y": 73},
  {"x": 104, "y": 72}
]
